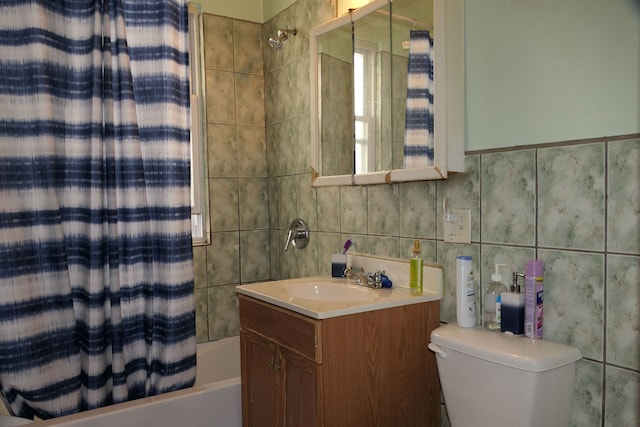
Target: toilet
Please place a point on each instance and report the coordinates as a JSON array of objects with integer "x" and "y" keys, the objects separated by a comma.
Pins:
[{"x": 492, "y": 379}]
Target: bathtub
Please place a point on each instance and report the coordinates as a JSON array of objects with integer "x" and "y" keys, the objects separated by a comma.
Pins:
[{"x": 214, "y": 400}]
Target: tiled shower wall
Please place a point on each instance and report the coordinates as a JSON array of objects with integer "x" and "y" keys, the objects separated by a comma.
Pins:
[
  {"x": 237, "y": 171},
  {"x": 576, "y": 206}
]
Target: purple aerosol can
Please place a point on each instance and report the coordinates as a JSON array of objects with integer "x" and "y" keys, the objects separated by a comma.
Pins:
[{"x": 533, "y": 298}]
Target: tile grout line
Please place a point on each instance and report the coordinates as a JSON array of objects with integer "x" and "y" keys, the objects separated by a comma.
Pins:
[{"x": 603, "y": 406}]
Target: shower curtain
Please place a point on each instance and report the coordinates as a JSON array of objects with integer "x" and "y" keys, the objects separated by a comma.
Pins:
[
  {"x": 418, "y": 136},
  {"x": 96, "y": 276}
]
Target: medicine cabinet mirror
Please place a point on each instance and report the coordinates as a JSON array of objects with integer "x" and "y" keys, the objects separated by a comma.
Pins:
[{"x": 359, "y": 79}]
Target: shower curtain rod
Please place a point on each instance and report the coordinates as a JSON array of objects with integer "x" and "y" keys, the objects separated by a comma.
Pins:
[{"x": 413, "y": 21}]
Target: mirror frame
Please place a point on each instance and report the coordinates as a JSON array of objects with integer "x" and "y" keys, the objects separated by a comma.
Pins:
[{"x": 449, "y": 94}]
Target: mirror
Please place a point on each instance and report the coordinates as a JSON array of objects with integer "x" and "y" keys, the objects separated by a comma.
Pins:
[
  {"x": 373, "y": 80},
  {"x": 335, "y": 65},
  {"x": 359, "y": 83}
]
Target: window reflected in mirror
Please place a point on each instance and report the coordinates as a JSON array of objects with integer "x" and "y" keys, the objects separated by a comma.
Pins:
[{"x": 364, "y": 108}]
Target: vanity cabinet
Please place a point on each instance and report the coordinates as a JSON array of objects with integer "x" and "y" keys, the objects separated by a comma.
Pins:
[
  {"x": 364, "y": 369},
  {"x": 282, "y": 389}
]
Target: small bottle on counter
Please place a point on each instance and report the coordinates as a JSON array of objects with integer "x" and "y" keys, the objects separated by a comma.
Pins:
[{"x": 415, "y": 269}]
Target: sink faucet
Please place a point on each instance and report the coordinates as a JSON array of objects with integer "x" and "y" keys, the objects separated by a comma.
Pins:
[{"x": 363, "y": 279}]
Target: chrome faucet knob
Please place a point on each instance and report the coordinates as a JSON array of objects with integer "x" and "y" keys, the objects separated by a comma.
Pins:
[
  {"x": 289, "y": 236},
  {"x": 298, "y": 234},
  {"x": 377, "y": 279}
]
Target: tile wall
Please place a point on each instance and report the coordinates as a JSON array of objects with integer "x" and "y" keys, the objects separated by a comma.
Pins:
[
  {"x": 237, "y": 171},
  {"x": 575, "y": 205}
]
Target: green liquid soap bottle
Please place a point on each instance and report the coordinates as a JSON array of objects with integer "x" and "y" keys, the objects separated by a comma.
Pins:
[
  {"x": 415, "y": 270},
  {"x": 493, "y": 301}
]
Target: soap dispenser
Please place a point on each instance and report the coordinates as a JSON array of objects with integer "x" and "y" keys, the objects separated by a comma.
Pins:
[
  {"x": 493, "y": 299},
  {"x": 513, "y": 308}
]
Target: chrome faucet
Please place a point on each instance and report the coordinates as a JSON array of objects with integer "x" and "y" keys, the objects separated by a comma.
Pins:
[{"x": 363, "y": 279}]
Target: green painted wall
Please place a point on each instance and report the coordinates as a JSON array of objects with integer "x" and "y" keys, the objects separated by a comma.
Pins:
[
  {"x": 551, "y": 70},
  {"x": 249, "y": 10},
  {"x": 273, "y": 7}
]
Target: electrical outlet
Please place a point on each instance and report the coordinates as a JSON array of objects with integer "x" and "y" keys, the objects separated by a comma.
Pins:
[{"x": 458, "y": 230}]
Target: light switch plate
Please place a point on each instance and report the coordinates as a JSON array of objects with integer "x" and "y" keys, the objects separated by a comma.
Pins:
[{"x": 458, "y": 230}]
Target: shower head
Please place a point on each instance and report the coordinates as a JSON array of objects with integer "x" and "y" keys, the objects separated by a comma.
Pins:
[
  {"x": 284, "y": 34},
  {"x": 276, "y": 43}
]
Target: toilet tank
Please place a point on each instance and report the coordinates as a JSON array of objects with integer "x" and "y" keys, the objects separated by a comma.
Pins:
[{"x": 494, "y": 379}]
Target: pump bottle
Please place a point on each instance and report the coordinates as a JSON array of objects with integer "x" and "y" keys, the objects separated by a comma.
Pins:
[
  {"x": 492, "y": 301},
  {"x": 513, "y": 308}
]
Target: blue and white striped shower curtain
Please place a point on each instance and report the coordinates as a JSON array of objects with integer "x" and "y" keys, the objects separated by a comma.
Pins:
[
  {"x": 418, "y": 136},
  {"x": 96, "y": 275}
]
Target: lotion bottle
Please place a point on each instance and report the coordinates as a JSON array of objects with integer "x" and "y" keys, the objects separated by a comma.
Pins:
[
  {"x": 415, "y": 269},
  {"x": 492, "y": 300},
  {"x": 465, "y": 293}
]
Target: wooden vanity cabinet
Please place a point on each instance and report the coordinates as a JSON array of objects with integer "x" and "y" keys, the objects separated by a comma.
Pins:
[
  {"x": 364, "y": 369},
  {"x": 262, "y": 402}
]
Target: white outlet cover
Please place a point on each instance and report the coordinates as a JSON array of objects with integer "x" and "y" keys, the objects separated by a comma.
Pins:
[{"x": 459, "y": 230}]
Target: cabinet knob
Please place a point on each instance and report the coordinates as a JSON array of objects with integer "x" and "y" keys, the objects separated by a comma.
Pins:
[{"x": 273, "y": 365}]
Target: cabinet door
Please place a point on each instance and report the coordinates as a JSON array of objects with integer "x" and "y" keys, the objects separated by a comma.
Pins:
[
  {"x": 262, "y": 396},
  {"x": 302, "y": 391}
]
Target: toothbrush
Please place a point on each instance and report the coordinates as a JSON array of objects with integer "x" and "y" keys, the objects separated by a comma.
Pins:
[{"x": 346, "y": 246}]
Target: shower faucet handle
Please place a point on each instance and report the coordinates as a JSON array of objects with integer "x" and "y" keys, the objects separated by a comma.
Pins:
[{"x": 298, "y": 234}]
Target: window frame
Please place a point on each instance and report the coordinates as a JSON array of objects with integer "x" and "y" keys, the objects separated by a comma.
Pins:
[
  {"x": 368, "y": 80},
  {"x": 200, "y": 223}
]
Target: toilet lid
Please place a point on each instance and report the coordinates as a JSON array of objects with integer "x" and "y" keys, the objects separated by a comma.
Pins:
[{"x": 510, "y": 350}]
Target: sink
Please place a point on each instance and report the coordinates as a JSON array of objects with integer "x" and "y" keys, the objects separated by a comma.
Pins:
[
  {"x": 331, "y": 292},
  {"x": 323, "y": 297}
]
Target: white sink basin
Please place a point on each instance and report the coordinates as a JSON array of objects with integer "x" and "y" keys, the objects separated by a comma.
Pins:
[
  {"x": 322, "y": 297},
  {"x": 331, "y": 292}
]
